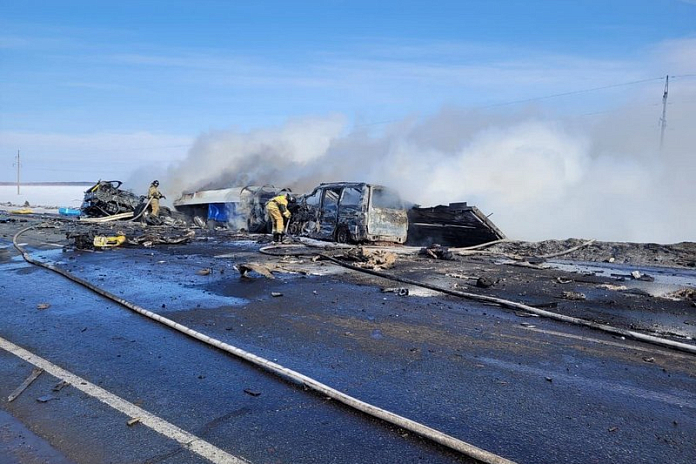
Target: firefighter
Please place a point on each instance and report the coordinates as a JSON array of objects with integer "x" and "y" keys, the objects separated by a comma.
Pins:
[
  {"x": 277, "y": 210},
  {"x": 154, "y": 195}
]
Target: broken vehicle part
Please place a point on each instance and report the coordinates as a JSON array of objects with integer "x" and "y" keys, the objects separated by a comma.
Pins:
[
  {"x": 102, "y": 241},
  {"x": 455, "y": 225}
]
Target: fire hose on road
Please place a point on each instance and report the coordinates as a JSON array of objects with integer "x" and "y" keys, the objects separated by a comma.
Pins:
[{"x": 374, "y": 411}]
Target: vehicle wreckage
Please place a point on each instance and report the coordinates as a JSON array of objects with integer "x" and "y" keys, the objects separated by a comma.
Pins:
[
  {"x": 106, "y": 198},
  {"x": 351, "y": 212},
  {"x": 344, "y": 212},
  {"x": 240, "y": 208}
]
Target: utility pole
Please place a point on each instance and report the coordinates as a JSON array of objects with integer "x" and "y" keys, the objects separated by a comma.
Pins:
[
  {"x": 663, "y": 119},
  {"x": 18, "y": 166}
]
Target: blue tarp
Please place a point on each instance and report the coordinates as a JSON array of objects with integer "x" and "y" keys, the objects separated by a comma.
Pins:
[{"x": 219, "y": 211}]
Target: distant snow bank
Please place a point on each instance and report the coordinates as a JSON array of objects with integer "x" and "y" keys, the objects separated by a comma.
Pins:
[{"x": 47, "y": 196}]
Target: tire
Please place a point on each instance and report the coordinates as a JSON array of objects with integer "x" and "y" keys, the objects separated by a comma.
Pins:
[{"x": 342, "y": 235}]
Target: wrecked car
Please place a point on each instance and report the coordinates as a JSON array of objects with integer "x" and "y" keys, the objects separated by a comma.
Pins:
[
  {"x": 236, "y": 207},
  {"x": 351, "y": 212},
  {"x": 105, "y": 198}
]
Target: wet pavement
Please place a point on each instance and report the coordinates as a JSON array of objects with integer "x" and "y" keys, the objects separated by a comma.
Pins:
[{"x": 529, "y": 389}]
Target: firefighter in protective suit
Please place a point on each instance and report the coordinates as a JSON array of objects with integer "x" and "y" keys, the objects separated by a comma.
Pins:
[
  {"x": 277, "y": 210},
  {"x": 154, "y": 195}
]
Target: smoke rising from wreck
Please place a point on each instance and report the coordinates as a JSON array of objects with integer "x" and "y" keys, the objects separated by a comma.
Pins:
[{"x": 600, "y": 177}]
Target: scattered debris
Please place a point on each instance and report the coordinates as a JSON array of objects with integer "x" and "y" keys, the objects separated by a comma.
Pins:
[
  {"x": 371, "y": 259},
  {"x": 251, "y": 392},
  {"x": 133, "y": 421},
  {"x": 577, "y": 296},
  {"x": 23, "y": 386},
  {"x": 459, "y": 276},
  {"x": 484, "y": 282},
  {"x": 648, "y": 359},
  {"x": 46, "y": 398},
  {"x": 43, "y": 305},
  {"x": 563, "y": 281},
  {"x": 276, "y": 294},
  {"x": 436, "y": 251},
  {"x": 204, "y": 272},
  {"x": 401, "y": 291},
  {"x": 60, "y": 385},
  {"x": 153, "y": 238},
  {"x": 549, "y": 379},
  {"x": 102, "y": 241},
  {"x": 98, "y": 236},
  {"x": 617, "y": 288},
  {"x": 245, "y": 268},
  {"x": 637, "y": 275},
  {"x": 613, "y": 429}
]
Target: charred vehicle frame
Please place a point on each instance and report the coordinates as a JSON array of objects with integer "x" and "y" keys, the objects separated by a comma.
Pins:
[
  {"x": 350, "y": 212},
  {"x": 105, "y": 198}
]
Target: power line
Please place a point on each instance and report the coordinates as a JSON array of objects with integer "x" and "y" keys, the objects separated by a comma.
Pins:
[
  {"x": 545, "y": 97},
  {"x": 574, "y": 92}
]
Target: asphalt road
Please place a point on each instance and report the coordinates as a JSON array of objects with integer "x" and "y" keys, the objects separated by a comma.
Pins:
[{"x": 528, "y": 389}]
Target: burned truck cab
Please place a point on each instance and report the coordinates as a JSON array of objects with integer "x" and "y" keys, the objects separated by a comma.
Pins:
[{"x": 351, "y": 212}]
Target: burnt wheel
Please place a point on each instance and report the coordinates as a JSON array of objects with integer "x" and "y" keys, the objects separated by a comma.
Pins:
[{"x": 342, "y": 235}]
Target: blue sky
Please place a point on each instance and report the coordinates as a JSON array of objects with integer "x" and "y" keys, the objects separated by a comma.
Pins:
[{"x": 138, "y": 81}]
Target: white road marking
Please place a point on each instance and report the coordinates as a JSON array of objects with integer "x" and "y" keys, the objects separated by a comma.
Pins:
[{"x": 159, "y": 425}]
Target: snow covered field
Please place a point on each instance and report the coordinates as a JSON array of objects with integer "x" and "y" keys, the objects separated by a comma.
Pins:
[{"x": 47, "y": 196}]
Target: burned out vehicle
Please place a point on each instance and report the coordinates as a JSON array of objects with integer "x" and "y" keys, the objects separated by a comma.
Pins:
[
  {"x": 351, "y": 212},
  {"x": 236, "y": 207},
  {"x": 105, "y": 198}
]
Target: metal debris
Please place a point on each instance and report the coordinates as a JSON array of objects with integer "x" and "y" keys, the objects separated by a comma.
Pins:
[
  {"x": 401, "y": 291},
  {"x": 436, "y": 251},
  {"x": 577, "y": 296},
  {"x": 60, "y": 385},
  {"x": 23, "y": 386},
  {"x": 245, "y": 268}
]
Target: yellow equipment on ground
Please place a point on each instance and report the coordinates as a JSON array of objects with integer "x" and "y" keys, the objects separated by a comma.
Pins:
[{"x": 102, "y": 241}]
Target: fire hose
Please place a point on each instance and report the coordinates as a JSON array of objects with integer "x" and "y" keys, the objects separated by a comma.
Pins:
[{"x": 367, "y": 408}]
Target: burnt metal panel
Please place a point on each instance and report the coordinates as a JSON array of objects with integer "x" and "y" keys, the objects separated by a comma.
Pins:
[{"x": 455, "y": 225}]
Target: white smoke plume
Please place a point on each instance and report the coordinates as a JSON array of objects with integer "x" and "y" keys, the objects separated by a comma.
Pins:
[{"x": 598, "y": 176}]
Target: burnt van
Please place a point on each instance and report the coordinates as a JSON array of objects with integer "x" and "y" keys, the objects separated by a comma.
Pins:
[{"x": 351, "y": 212}]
